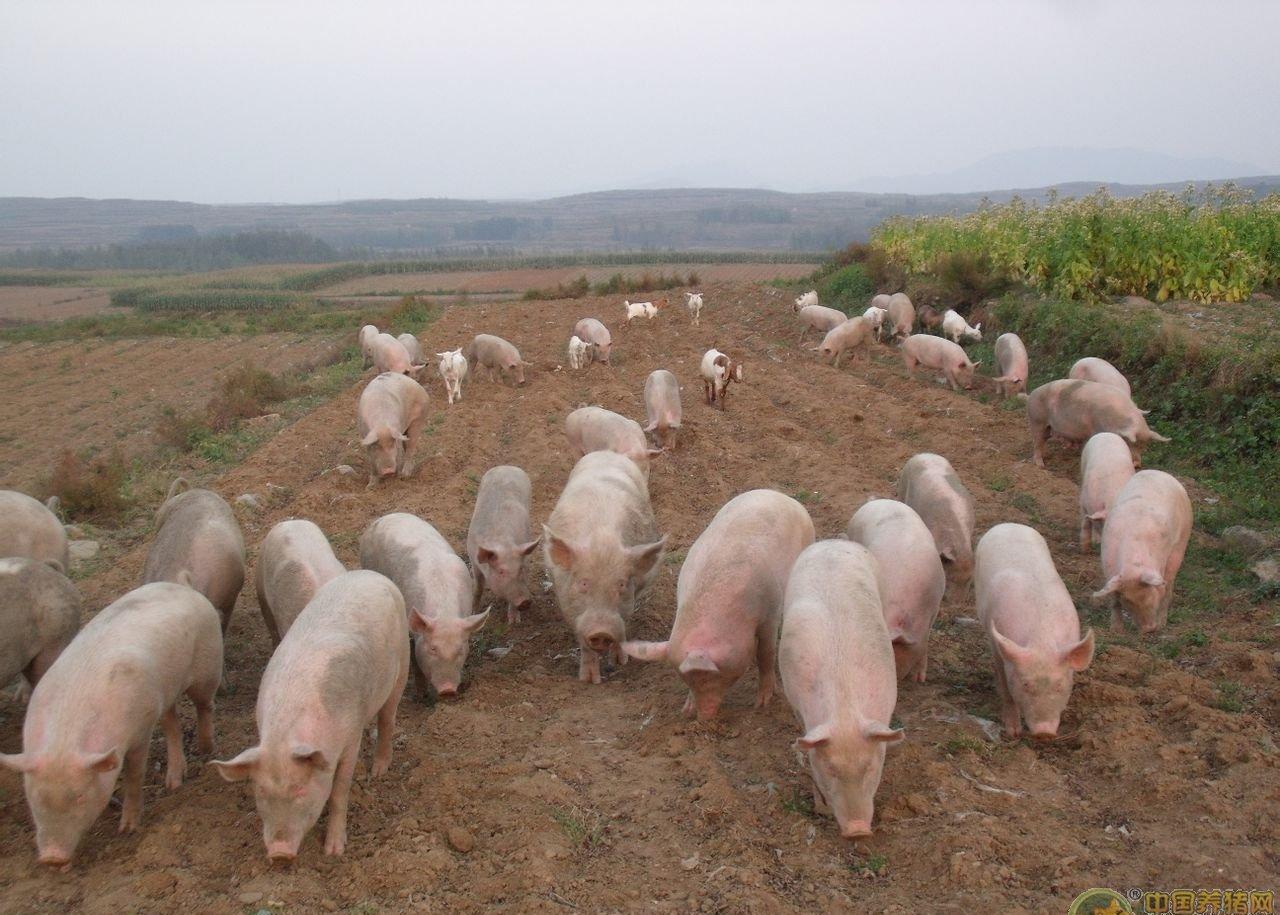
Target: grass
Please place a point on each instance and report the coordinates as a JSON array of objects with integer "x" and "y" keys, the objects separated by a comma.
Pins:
[
  {"x": 617, "y": 284},
  {"x": 89, "y": 488},
  {"x": 1026, "y": 504},
  {"x": 584, "y": 829},
  {"x": 873, "y": 865},
  {"x": 1230, "y": 697},
  {"x": 999, "y": 482},
  {"x": 1194, "y": 638},
  {"x": 798, "y": 802},
  {"x": 807, "y": 496},
  {"x": 958, "y": 745}
]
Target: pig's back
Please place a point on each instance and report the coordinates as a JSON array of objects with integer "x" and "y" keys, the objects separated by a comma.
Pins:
[
  {"x": 39, "y": 606},
  {"x": 502, "y": 505},
  {"x": 1017, "y": 586},
  {"x": 198, "y": 533},
  {"x": 1011, "y": 355},
  {"x": 29, "y": 529}
]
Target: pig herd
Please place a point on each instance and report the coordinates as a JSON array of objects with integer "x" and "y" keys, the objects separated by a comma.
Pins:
[{"x": 839, "y": 622}]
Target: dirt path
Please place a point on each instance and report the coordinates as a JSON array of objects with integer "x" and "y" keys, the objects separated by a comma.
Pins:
[{"x": 604, "y": 799}]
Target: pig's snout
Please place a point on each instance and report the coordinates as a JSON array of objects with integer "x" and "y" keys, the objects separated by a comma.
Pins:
[
  {"x": 447, "y": 690},
  {"x": 855, "y": 829},
  {"x": 54, "y": 856},
  {"x": 281, "y": 853},
  {"x": 387, "y": 472},
  {"x": 600, "y": 641},
  {"x": 524, "y": 604},
  {"x": 1043, "y": 730}
]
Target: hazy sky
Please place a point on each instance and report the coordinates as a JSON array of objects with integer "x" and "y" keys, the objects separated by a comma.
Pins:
[{"x": 293, "y": 102}]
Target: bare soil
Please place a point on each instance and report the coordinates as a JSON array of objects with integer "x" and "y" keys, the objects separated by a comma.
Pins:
[
  {"x": 23, "y": 304},
  {"x": 568, "y": 797}
]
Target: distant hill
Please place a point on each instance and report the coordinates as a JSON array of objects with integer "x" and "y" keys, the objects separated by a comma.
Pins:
[{"x": 713, "y": 219}]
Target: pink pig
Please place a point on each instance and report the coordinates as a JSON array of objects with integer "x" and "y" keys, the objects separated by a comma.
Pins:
[
  {"x": 940, "y": 355},
  {"x": 819, "y": 318},
  {"x": 597, "y": 429},
  {"x": 837, "y": 671},
  {"x": 498, "y": 539},
  {"x": 1105, "y": 466},
  {"x": 598, "y": 338},
  {"x": 390, "y": 355},
  {"x": 496, "y": 355},
  {"x": 929, "y": 484},
  {"x": 389, "y": 419},
  {"x": 1076, "y": 410},
  {"x": 729, "y": 598},
  {"x": 845, "y": 336},
  {"x": 1011, "y": 365},
  {"x": 30, "y": 529},
  {"x": 662, "y": 404},
  {"x": 1091, "y": 368},
  {"x": 295, "y": 559}
]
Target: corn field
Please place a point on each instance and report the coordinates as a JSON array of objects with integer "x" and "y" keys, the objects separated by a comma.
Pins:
[{"x": 1215, "y": 246}]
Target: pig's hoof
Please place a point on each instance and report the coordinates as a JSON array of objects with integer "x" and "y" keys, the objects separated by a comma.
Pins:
[
  {"x": 173, "y": 781},
  {"x": 380, "y": 767},
  {"x": 128, "y": 823},
  {"x": 335, "y": 846}
]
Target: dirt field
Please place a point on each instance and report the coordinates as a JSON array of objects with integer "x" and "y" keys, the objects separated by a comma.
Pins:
[
  {"x": 481, "y": 281},
  {"x": 603, "y": 798},
  {"x": 21, "y": 304},
  {"x": 92, "y": 395}
]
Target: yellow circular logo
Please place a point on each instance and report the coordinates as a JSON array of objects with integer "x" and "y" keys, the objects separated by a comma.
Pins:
[{"x": 1098, "y": 901}]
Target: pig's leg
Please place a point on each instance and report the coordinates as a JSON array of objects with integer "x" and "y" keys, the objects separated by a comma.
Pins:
[
  {"x": 386, "y": 730},
  {"x": 201, "y": 694},
  {"x": 923, "y": 666},
  {"x": 177, "y": 763},
  {"x": 803, "y": 330},
  {"x": 335, "y": 836},
  {"x": 909, "y": 362},
  {"x": 413, "y": 433},
  {"x": 1086, "y": 533},
  {"x": 836, "y": 362},
  {"x": 1009, "y": 714},
  {"x": 766, "y": 659},
  {"x": 589, "y": 666},
  {"x": 951, "y": 379},
  {"x": 1039, "y": 435},
  {"x": 135, "y": 767},
  {"x": 690, "y": 706}
]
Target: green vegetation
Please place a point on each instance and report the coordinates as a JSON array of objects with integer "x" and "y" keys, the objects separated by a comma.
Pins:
[
  {"x": 1230, "y": 697},
  {"x": 617, "y": 284},
  {"x": 584, "y": 828},
  {"x": 150, "y": 301},
  {"x": 798, "y": 802},
  {"x": 847, "y": 289},
  {"x": 1192, "y": 638}
]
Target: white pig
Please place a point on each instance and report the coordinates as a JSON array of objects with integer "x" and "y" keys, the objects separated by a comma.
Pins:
[
  {"x": 452, "y": 368},
  {"x": 912, "y": 580},
  {"x": 598, "y": 336},
  {"x": 498, "y": 539},
  {"x": 439, "y": 593},
  {"x": 39, "y": 616},
  {"x": 1144, "y": 540},
  {"x": 29, "y": 529},
  {"x": 929, "y": 484},
  {"x": 343, "y": 662},
  {"x": 390, "y": 355},
  {"x": 902, "y": 315},
  {"x": 597, "y": 429},
  {"x": 1011, "y": 365},
  {"x": 295, "y": 559},
  {"x": 838, "y": 674},
  {"x": 1033, "y": 628},
  {"x": 819, "y": 318},
  {"x": 1090, "y": 368},
  {"x": 1076, "y": 410},
  {"x": 495, "y": 355},
  {"x": 729, "y": 598},
  {"x": 367, "y": 333},
  {"x": 940, "y": 355},
  {"x": 1105, "y": 466},
  {"x": 956, "y": 328},
  {"x": 93, "y": 712},
  {"x": 848, "y": 335},
  {"x": 414, "y": 348},
  {"x": 389, "y": 419},
  {"x": 662, "y": 405}
]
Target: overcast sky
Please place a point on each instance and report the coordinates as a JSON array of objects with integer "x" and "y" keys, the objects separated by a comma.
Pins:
[{"x": 309, "y": 101}]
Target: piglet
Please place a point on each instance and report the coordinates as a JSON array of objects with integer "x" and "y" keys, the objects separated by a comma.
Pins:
[
  {"x": 389, "y": 420},
  {"x": 940, "y": 355},
  {"x": 729, "y": 598},
  {"x": 452, "y": 368},
  {"x": 496, "y": 355},
  {"x": 846, "y": 336},
  {"x": 597, "y": 429},
  {"x": 1105, "y": 466},
  {"x": 438, "y": 590},
  {"x": 598, "y": 336},
  {"x": 911, "y": 577},
  {"x": 1144, "y": 540},
  {"x": 1033, "y": 628},
  {"x": 1076, "y": 410},
  {"x": 1011, "y": 365},
  {"x": 837, "y": 672},
  {"x": 498, "y": 539},
  {"x": 295, "y": 559},
  {"x": 93, "y": 712},
  {"x": 956, "y": 328},
  {"x": 29, "y": 529},
  {"x": 929, "y": 485},
  {"x": 662, "y": 405},
  {"x": 343, "y": 662},
  {"x": 39, "y": 616}
]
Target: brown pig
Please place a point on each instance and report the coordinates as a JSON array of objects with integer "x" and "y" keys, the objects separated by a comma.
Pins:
[
  {"x": 390, "y": 355},
  {"x": 597, "y": 429},
  {"x": 662, "y": 405},
  {"x": 93, "y": 712},
  {"x": 930, "y": 318},
  {"x": 29, "y": 529},
  {"x": 1011, "y": 365},
  {"x": 597, "y": 337},
  {"x": 389, "y": 419},
  {"x": 1105, "y": 466},
  {"x": 1091, "y": 368},
  {"x": 940, "y": 355},
  {"x": 498, "y": 540},
  {"x": 912, "y": 580},
  {"x": 929, "y": 484},
  {"x": 1033, "y": 628},
  {"x": 602, "y": 549},
  {"x": 838, "y": 674},
  {"x": 1077, "y": 410},
  {"x": 197, "y": 533},
  {"x": 729, "y": 598},
  {"x": 819, "y": 318},
  {"x": 1144, "y": 540},
  {"x": 294, "y": 561},
  {"x": 438, "y": 590},
  {"x": 39, "y": 616},
  {"x": 496, "y": 355},
  {"x": 343, "y": 662},
  {"x": 847, "y": 335},
  {"x": 902, "y": 315}
]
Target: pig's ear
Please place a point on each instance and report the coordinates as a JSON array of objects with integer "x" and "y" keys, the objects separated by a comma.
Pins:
[
  {"x": 185, "y": 578},
  {"x": 17, "y": 762},
  {"x": 306, "y": 753},
  {"x": 1099, "y": 515},
  {"x": 475, "y": 621},
  {"x": 654, "y": 452},
  {"x": 644, "y": 557},
  {"x": 401, "y": 437},
  {"x": 420, "y": 622},
  {"x": 647, "y": 651},
  {"x": 1111, "y": 587},
  {"x": 56, "y": 564},
  {"x": 1009, "y": 649},
  {"x": 1151, "y": 578},
  {"x": 484, "y": 555},
  {"x": 240, "y": 768},
  {"x": 978, "y": 326},
  {"x": 102, "y": 762},
  {"x": 1079, "y": 655},
  {"x": 559, "y": 551},
  {"x": 947, "y": 555},
  {"x": 816, "y": 737},
  {"x": 370, "y": 438},
  {"x": 976, "y": 364},
  {"x": 883, "y": 733},
  {"x": 1154, "y": 436},
  {"x": 898, "y": 637},
  {"x": 525, "y": 549}
]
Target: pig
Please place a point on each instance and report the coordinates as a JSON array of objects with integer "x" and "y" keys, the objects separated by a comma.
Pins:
[
  {"x": 1077, "y": 410},
  {"x": 39, "y": 616},
  {"x": 956, "y": 328},
  {"x": 413, "y": 348},
  {"x": 389, "y": 419},
  {"x": 390, "y": 355},
  {"x": 881, "y": 301},
  {"x": 693, "y": 301},
  {"x": 93, "y": 712},
  {"x": 819, "y": 318},
  {"x": 1105, "y": 466},
  {"x": 718, "y": 370},
  {"x": 295, "y": 559},
  {"x": 847, "y": 335},
  {"x": 929, "y": 318},
  {"x": 598, "y": 429},
  {"x": 902, "y": 315},
  {"x": 838, "y": 674},
  {"x": 1091, "y": 368},
  {"x": 1033, "y": 628},
  {"x": 367, "y": 333},
  {"x": 498, "y": 539},
  {"x": 876, "y": 315},
  {"x": 439, "y": 593},
  {"x": 929, "y": 485},
  {"x": 1011, "y": 365},
  {"x": 496, "y": 355},
  {"x": 1144, "y": 540},
  {"x": 452, "y": 369},
  {"x": 662, "y": 405},
  {"x": 805, "y": 300},
  {"x": 602, "y": 550},
  {"x": 578, "y": 353},
  {"x": 197, "y": 533},
  {"x": 939, "y": 355},
  {"x": 31, "y": 530},
  {"x": 598, "y": 336},
  {"x": 729, "y": 599},
  {"x": 912, "y": 580},
  {"x": 343, "y": 662}
]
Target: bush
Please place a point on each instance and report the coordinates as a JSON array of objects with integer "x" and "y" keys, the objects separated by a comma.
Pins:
[
  {"x": 573, "y": 290},
  {"x": 847, "y": 289},
  {"x": 89, "y": 489},
  {"x": 968, "y": 277},
  {"x": 180, "y": 430},
  {"x": 244, "y": 394}
]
